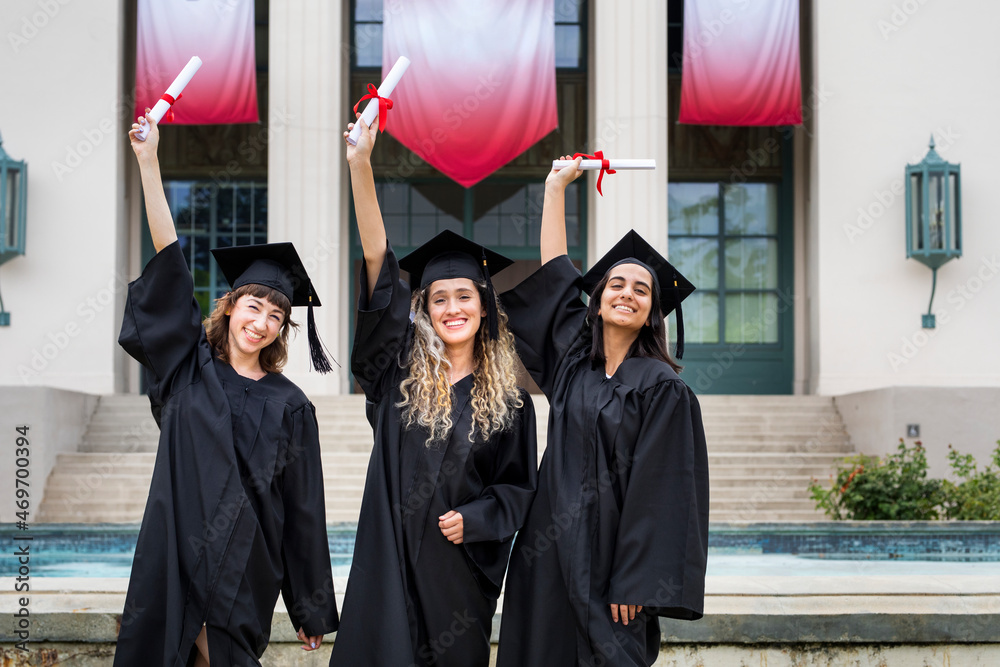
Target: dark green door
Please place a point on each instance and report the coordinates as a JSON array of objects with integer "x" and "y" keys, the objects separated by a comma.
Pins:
[{"x": 733, "y": 241}]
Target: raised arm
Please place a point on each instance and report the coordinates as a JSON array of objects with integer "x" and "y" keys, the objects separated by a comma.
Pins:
[
  {"x": 553, "y": 241},
  {"x": 161, "y": 224},
  {"x": 371, "y": 229}
]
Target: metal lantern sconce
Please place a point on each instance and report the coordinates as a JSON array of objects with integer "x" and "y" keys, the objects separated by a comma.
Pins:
[
  {"x": 933, "y": 215},
  {"x": 13, "y": 197}
]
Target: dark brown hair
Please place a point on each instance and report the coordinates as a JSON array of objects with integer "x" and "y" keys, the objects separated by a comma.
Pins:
[
  {"x": 652, "y": 338},
  {"x": 272, "y": 357}
]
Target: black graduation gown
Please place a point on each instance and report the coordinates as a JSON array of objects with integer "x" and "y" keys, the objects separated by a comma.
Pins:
[
  {"x": 413, "y": 597},
  {"x": 235, "y": 511},
  {"x": 621, "y": 513}
]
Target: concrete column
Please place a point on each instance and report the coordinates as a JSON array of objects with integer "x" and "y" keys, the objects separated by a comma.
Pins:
[
  {"x": 628, "y": 101},
  {"x": 306, "y": 179}
]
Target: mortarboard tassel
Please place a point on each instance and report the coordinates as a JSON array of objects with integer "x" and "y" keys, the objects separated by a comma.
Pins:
[
  {"x": 317, "y": 350},
  {"x": 492, "y": 315},
  {"x": 679, "y": 350}
]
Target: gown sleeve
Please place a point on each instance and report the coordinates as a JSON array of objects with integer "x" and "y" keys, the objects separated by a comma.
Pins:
[
  {"x": 502, "y": 507},
  {"x": 546, "y": 316},
  {"x": 307, "y": 586},
  {"x": 161, "y": 327},
  {"x": 381, "y": 328},
  {"x": 662, "y": 543}
]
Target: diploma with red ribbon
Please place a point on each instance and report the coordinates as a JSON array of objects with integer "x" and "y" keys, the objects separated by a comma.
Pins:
[
  {"x": 598, "y": 161},
  {"x": 380, "y": 102},
  {"x": 170, "y": 97}
]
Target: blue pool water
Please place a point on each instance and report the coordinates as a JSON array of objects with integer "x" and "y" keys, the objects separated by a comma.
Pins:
[{"x": 821, "y": 549}]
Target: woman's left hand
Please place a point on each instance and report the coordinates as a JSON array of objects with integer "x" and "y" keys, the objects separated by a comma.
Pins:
[
  {"x": 451, "y": 526},
  {"x": 311, "y": 643},
  {"x": 626, "y": 612}
]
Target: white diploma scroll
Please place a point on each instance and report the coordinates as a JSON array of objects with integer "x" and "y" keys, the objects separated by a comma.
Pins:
[
  {"x": 385, "y": 90},
  {"x": 612, "y": 164},
  {"x": 162, "y": 106}
]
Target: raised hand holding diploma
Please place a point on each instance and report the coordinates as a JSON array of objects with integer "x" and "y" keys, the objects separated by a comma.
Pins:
[
  {"x": 172, "y": 95},
  {"x": 617, "y": 165},
  {"x": 380, "y": 102},
  {"x": 145, "y": 150},
  {"x": 607, "y": 166}
]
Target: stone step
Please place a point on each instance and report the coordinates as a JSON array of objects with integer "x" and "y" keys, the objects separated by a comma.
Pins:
[
  {"x": 763, "y": 505},
  {"x": 764, "y": 470},
  {"x": 763, "y": 452},
  {"x": 782, "y": 491},
  {"x": 753, "y": 484},
  {"x": 752, "y": 514}
]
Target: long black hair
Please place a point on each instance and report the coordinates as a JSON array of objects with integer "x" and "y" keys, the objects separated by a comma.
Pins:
[{"x": 652, "y": 338}]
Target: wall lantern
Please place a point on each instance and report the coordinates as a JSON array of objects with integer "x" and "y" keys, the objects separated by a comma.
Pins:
[
  {"x": 933, "y": 215},
  {"x": 13, "y": 197}
]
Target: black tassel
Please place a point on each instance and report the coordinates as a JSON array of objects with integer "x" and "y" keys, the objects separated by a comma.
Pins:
[
  {"x": 679, "y": 350},
  {"x": 492, "y": 316},
  {"x": 317, "y": 350}
]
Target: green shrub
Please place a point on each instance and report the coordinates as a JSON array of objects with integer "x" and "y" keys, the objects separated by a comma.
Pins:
[
  {"x": 867, "y": 488},
  {"x": 977, "y": 496}
]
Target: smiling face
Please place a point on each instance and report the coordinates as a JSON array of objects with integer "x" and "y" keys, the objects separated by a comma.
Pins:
[
  {"x": 455, "y": 310},
  {"x": 254, "y": 323},
  {"x": 627, "y": 298}
]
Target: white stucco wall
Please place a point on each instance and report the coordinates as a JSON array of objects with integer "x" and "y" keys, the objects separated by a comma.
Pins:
[
  {"x": 64, "y": 294},
  {"x": 886, "y": 76},
  {"x": 890, "y": 74}
]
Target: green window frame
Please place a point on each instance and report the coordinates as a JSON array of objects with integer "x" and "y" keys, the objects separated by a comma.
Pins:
[
  {"x": 570, "y": 36},
  {"x": 210, "y": 215}
]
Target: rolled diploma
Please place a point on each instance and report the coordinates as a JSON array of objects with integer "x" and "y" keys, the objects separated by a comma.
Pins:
[
  {"x": 162, "y": 106},
  {"x": 385, "y": 90},
  {"x": 612, "y": 164}
]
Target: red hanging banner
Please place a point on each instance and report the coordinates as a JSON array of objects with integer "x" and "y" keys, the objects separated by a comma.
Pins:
[
  {"x": 741, "y": 63},
  {"x": 481, "y": 88},
  {"x": 222, "y": 35}
]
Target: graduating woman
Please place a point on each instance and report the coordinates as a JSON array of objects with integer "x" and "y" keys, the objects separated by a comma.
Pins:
[
  {"x": 235, "y": 512},
  {"x": 618, "y": 531},
  {"x": 453, "y": 470}
]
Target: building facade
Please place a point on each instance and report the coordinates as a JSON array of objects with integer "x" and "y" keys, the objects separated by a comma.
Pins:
[{"x": 794, "y": 235}]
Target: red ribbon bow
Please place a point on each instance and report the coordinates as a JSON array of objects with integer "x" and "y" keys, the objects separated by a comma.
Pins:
[
  {"x": 605, "y": 166},
  {"x": 171, "y": 100},
  {"x": 384, "y": 104}
]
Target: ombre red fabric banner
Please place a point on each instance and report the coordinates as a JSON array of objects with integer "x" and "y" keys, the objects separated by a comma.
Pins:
[
  {"x": 481, "y": 86},
  {"x": 220, "y": 33},
  {"x": 741, "y": 63}
]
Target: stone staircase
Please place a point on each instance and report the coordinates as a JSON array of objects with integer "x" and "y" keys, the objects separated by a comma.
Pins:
[{"x": 763, "y": 450}]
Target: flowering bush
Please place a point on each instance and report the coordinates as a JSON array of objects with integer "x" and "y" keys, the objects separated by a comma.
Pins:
[
  {"x": 869, "y": 488},
  {"x": 977, "y": 496}
]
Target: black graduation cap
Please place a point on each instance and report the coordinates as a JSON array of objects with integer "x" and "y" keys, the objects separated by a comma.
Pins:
[
  {"x": 673, "y": 287},
  {"x": 276, "y": 265},
  {"x": 449, "y": 255}
]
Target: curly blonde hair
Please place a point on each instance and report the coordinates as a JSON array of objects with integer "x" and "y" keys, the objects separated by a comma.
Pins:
[{"x": 427, "y": 394}]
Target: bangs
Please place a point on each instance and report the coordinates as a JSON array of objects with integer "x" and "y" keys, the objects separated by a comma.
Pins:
[{"x": 273, "y": 296}]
